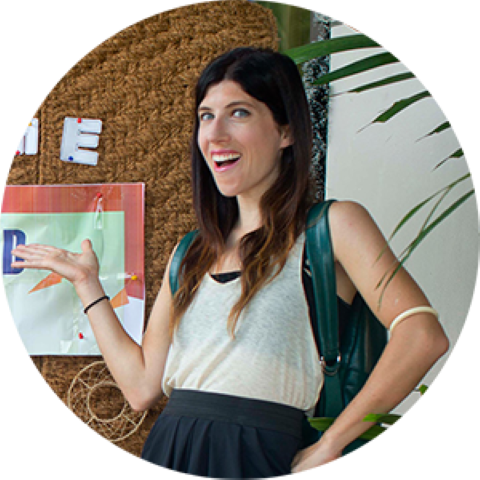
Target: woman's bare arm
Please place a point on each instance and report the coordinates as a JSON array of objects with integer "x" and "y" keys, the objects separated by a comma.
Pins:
[
  {"x": 414, "y": 347},
  {"x": 137, "y": 370}
]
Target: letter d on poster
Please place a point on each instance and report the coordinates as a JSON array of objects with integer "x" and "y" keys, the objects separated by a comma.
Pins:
[{"x": 11, "y": 238}]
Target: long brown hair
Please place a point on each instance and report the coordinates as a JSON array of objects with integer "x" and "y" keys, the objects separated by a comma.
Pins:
[{"x": 271, "y": 78}]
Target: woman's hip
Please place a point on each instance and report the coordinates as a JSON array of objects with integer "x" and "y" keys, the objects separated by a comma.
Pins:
[{"x": 217, "y": 435}]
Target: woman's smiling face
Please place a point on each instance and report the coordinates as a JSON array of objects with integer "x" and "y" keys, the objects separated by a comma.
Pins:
[{"x": 240, "y": 141}]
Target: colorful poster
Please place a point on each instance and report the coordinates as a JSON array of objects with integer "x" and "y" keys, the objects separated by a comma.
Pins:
[{"x": 46, "y": 310}]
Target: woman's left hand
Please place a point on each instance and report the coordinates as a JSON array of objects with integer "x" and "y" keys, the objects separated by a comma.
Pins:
[{"x": 313, "y": 456}]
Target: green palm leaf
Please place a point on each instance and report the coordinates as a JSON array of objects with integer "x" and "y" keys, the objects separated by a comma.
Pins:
[
  {"x": 381, "y": 83},
  {"x": 399, "y": 106},
  {"x": 372, "y": 432},
  {"x": 321, "y": 423},
  {"x": 360, "y": 41},
  {"x": 428, "y": 229},
  {"x": 415, "y": 209},
  {"x": 360, "y": 66},
  {"x": 324, "y": 423},
  {"x": 326, "y": 47},
  {"x": 422, "y": 389},
  {"x": 457, "y": 154},
  {"x": 439, "y": 129},
  {"x": 443, "y": 193},
  {"x": 387, "y": 419},
  {"x": 422, "y": 235}
]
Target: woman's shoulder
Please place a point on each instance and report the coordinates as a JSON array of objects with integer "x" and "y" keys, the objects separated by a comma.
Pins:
[
  {"x": 349, "y": 219},
  {"x": 347, "y": 209},
  {"x": 348, "y": 214}
]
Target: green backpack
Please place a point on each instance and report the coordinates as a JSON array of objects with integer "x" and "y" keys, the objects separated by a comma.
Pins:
[{"x": 346, "y": 362}]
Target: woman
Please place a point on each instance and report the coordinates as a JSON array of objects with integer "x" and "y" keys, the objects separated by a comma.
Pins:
[{"x": 237, "y": 356}]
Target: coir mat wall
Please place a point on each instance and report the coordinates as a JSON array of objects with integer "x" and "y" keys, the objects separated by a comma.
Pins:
[{"x": 140, "y": 83}]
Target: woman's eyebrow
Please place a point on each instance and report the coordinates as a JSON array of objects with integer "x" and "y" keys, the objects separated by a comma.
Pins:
[{"x": 235, "y": 103}]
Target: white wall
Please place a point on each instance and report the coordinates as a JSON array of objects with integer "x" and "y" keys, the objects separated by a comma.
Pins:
[{"x": 386, "y": 168}]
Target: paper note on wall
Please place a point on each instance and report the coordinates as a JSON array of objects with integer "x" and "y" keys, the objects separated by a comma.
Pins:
[{"x": 45, "y": 308}]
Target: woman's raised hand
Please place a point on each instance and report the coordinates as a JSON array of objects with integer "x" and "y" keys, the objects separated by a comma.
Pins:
[{"x": 77, "y": 268}]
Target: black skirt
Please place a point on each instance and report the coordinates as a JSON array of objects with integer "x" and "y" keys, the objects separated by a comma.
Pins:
[{"x": 223, "y": 436}]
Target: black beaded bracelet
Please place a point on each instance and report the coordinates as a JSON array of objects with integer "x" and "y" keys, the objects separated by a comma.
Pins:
[{"x": 87, "y": 308}]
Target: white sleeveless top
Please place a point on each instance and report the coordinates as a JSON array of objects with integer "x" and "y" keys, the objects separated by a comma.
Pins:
[{"x": 273, "y": 356}]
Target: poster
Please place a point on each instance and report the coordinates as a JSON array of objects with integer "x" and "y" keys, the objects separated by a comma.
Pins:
[{"x": 45, "y": 308}]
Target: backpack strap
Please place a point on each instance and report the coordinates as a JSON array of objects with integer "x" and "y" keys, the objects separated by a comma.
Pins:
[
  {"x": 180, "y": 252},
  {"x": 319, "y": 252},
  {"x": 320, "y": 255}
]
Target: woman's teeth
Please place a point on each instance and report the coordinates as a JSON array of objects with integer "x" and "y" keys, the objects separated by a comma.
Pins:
[
  {"x": 219, "y": 158},
  {"x": 225, "y": 159}
]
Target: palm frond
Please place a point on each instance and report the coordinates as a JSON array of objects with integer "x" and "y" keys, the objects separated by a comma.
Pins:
[
  {"x": 399, "y": 106},
  {"x": 386, "y": 418},
  {"x": 322, "y": 48},
  {"x": 324, "y": 423},
  {"x": 357, "y": 42},
  {"x": 357, "y": 67},
  {"x": 457, "y": 154},
  {"x": 405, "y": 255},
  {"x": 444, "y": 126},
  {"x": 380, "y": 83}
]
